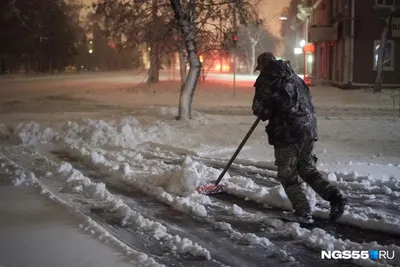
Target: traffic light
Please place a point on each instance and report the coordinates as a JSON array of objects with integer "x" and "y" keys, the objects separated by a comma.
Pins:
[{"x": 235, "y": 39}]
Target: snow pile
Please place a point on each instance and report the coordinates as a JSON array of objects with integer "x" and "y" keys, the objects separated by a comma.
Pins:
[
  {"x": 22, "y": 178},
  {"x": 183, "y": 204},
  {"x": 79, "y": 183},
  {"x": 246, "y": 188},
  {"x": 354, "y": 181},
  {"x": 184, "y": 245},
  {"x": 184, "y": 180},
  {"x": 252, "y": 239},
  {"x": 364, "y": 219},
  {"x": 12, "y": 172},
  {"x": 97, "y": 158},
  {"x": 126, "y": 132},
  {"x": 173, "y": 185},
  {"x": 236, "y": 210},
  {"x": 30, "y": 133}
]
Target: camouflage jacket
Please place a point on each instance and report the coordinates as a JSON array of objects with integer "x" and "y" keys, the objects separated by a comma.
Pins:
[{"x": 285, "y": 100}]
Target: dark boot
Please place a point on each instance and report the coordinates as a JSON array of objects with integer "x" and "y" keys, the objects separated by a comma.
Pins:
[{"x": 338, "y": 202}]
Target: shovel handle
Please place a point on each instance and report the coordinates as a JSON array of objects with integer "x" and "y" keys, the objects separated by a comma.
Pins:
[{"x": 237, "y": 150}]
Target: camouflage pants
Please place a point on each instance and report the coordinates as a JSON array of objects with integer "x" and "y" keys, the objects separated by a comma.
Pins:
[{"x": 299, "y": 160}]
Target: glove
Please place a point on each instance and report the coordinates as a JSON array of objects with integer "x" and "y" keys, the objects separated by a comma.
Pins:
[{"x": 260, "y": 113}]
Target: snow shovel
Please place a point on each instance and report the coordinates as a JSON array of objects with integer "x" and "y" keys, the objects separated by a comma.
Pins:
[{"x": 210, "y": 189}]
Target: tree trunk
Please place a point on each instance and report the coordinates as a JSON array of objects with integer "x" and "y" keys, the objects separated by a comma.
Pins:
[
  {"x": 186, "y": 23},
  {"x": 253, "y": 58},
  {"x": 154, "y": 71},
  {"x": 182, "y": 66},
  {"x": 381, "y": 54},
  {"x": 248, "y": 63}
]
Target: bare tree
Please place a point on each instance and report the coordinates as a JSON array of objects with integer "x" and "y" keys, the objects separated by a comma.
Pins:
[
  {"x": 193, "y": 18},
  {"x": 142, "y": 24},
  {"x": 190, "y": 28},
  {"x": 254, "y": 38},
  {"x": 381, "y": 52},
  {"x": 185, "y": 16}
]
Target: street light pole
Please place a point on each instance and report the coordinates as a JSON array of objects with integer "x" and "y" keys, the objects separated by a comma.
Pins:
[
  {"x": 220, "y": 41},
  {"x": 234, "y": 49},
  {"x": 306, "y": 42}
]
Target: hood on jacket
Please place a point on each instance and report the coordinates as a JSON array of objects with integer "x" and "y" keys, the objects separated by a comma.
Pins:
[
  {"x": 278, "y": 69},
  {"x": 268, "y": 65}
]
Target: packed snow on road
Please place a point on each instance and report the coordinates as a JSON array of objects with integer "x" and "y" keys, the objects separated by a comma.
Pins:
[{"x": 133, "y": 183}]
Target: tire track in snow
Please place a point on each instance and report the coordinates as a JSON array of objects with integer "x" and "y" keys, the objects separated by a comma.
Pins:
[
  {"x": 338, "y": 230},
  {"x": 315, "y": 238},
  {"x": 219, "y": 243},
  {"x": 300, "y": 242},
  {"x": 386, "y": 205},
  {"x": 380, "y": 202},
  {"x": 190, "y": 229}
]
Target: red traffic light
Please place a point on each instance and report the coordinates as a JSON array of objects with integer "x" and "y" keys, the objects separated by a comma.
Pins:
[{"x": 235, "y": 38}]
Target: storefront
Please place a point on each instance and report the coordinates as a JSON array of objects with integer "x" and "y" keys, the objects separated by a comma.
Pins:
[{"x": 308, "y": 60}]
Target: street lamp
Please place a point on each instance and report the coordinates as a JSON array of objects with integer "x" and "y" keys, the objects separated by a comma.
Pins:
[
  {"x": 90, "y": 51},
  {"x": 302, "y": 43}
]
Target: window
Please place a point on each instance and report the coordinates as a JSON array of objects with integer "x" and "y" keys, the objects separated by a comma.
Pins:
[
  {"x": 334, "y": 8},
  {"x": 384, "y": 3},
  {"x": 388, "y": 61}
]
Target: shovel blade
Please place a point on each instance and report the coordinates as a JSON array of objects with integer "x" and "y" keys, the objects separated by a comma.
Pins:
[{"x": 210, "y": 189}]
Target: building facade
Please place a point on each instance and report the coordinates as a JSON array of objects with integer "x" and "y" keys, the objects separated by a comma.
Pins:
[
  {"x": 293, "y": 32},
  {"x": 346, "y": 36}
]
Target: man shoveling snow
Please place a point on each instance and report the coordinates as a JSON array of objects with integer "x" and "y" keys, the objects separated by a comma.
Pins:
[{"x": 284, "y": 99}]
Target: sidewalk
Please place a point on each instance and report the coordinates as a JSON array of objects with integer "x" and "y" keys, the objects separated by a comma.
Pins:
[{"x": 38, "y": 233}]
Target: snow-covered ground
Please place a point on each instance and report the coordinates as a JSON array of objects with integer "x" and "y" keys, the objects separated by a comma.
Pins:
[
  {"x": 36, "y": 232},
  {"x": 127, "y": 178}
]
